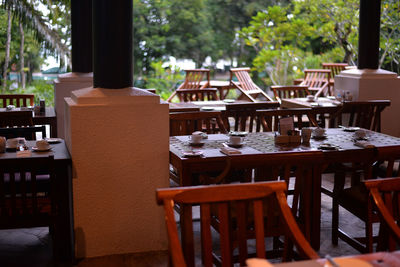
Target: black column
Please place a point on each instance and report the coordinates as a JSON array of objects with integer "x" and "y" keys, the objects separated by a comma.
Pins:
[
  {"x": 81, "y": 36},
  {"x": 368, "y": 39},
  {"x": 112, "y": 44}
]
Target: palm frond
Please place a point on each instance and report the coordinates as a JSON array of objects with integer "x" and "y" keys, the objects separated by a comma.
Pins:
[{"x": 33, "y": 19}]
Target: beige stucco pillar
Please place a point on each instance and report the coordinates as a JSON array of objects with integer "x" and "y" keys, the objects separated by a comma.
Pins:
[
  {"x": 369, "y": 84},
  {"x": 63, "y": 86},
  {"x": 119, "y": 142}
]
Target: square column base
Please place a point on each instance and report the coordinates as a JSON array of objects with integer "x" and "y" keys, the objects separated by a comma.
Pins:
[
  {"x": 63, "y": 86},
  {"x": 119, "y": 142},
  {"x": 367, "y": 84}
]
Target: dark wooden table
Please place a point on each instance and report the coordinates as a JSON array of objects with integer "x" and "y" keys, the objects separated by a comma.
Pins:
[
  {"x": 47, "y": 118},
  {"x": 260, "y": 145},
  {"x": 215, "y": 105},
  {"x": 302, "y": 102},
  {"x": 63, "y": 231}
]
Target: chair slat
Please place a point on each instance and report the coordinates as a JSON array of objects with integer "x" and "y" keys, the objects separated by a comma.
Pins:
[
  {"x": 206, "y": 240},
  {"x": 226, "y": 246}
]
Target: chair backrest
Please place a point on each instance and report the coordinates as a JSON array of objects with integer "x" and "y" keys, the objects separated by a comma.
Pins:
[
  {"x": 223, "y": 198},
  {"x": 185, "y": 123},
  {"x": 386, "y": 196},
  {"x": 246, "y": 85},
  {"x": 22, "y": 202},
  {"x": 18, "y": 100},
  {"x": 317, "y": 81},
  {"x": 245, "y": 81},
  {"x": 270, "y": 118},
  {"x": 16, "y": 118},
  {"x": 365, "y": 114},
  {"x": 335, "y": 68},
  {"x": 244, "y": 115},
  {"x": 205, "y": 94},
  {"x": 194, "y": 78},
  {"x": 289, "y": 91},
  {"x": 29, "y": 132}
]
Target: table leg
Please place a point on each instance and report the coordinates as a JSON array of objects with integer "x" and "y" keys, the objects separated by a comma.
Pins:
[
  {"x": 316, "y": 208},
  {"x": 186, "y": 222},
  {"x": 63, "y": 232}
]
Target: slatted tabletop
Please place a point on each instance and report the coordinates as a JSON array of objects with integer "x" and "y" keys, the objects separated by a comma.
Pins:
[{"x": 302, "y": 102}]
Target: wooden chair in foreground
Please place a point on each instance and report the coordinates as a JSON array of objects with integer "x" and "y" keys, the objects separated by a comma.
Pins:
[
  {"x": 222, "y": 197},
  {"x": 16, "y": 118},
  {"x": 185, "y": 123},
  {"x": 317, "y": 81},
  {"x": 244, "y": 117},
  {"x": 364, "y": 114},
  {"x": 29, "y": 132},
  {"x": 385, "y": 193},
  {"x": 22, "y": 203},
  {"x": 289, "y": 91},
  {"x": 248, "y": 89},
  {"x": 18, "y": 100},
  {"x": 193, "y": 81},
  {"x": 188, "y": 95},
  {"x": 355, "y": 197}
]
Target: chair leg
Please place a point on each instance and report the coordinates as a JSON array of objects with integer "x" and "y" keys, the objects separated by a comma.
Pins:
[{"x": 335, "y": 221}]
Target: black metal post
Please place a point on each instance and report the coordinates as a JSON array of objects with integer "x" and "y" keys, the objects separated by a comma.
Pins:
[
  {"x": 368, "y": 38},
  {"x": 112, "y": 44},
  {"x": 81, "y": 36}
]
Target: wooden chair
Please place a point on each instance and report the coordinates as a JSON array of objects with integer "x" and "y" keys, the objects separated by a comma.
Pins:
[
  {"x": 364, "y": 114},
  {"x": 244, "y": 115},
  {"x": 355, "y": 197},
  {"x": 317, "y": 81},
  {"x": 193, "y": 81},
  {"x": 185, "y": 123},
  {"x": 224, "y": 196},
  {"x": 188, "y": 95},
  {"x": 289, "y": 91},
  {"x": 385, "y": 193},
  {"x": 18, "y": 100},
  {"x": 303, "y": 117},
  {"x": 249, "y": 90},
  {"x": 22, "y": 203},
  {"x": 335, "y": 68},
  {"x": 16, "y": 118},
  {"x": 29, "y": 132}
]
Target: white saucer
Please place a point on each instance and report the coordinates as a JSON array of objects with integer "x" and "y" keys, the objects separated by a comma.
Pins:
[
  {"x": 196, "y": 144},
  {"x": 229, "y": 100},
  {"x": 53, "y": 140},
  {"x": 235, "y": 145},
  {"x": 207, "y": 108},
  {"x": 192, "y": 153},
  {"x": 35, "y": 149}
]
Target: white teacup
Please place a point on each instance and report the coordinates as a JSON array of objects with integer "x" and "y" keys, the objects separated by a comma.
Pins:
[
  {"x": 42, "y": 144},
  {"x": 12, "y": 142},
  {"x": 310, "y": 98},
  {"x": 196, "y": 138},
  {"x": 319, "y": 132},
  {"x": 235, "y": 140},
  {"x": 359, "y": 134}
]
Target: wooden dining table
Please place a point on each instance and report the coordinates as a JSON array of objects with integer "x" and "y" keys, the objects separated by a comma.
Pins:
[
  {"x": 63, "y": 230},
  {"x": 213, "y": 105},
  {"x": 377, "y": 259},
  {"x": 301, "y": 102},
  {"x": 48, "y": 117},
  {"x": 260, "y": 145}
]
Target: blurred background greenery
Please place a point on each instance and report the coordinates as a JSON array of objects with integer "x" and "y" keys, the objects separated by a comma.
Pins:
[{"x": 277, "y": 39}]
